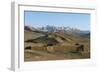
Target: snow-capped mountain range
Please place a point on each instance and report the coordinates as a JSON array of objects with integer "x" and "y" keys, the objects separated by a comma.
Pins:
[{"x": 57, "y": 29}]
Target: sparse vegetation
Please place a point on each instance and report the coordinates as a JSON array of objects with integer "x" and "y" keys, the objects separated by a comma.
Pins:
[{"x": 40, "y": 45}]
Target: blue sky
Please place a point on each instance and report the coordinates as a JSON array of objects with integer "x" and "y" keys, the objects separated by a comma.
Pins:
[{"x": 38, "y": 19}]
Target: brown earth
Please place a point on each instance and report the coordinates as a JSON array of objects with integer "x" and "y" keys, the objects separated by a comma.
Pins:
[{"x": 63, "y": 50}]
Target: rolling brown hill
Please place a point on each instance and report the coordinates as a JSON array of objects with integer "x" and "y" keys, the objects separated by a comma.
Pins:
[{"x": 40, "y": 45}]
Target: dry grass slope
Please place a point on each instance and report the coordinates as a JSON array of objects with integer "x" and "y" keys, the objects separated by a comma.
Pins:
[{"x": 54, "y": 46}]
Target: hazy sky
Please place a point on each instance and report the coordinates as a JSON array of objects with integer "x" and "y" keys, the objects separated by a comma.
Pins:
[{"x": 77, "y": 20}]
